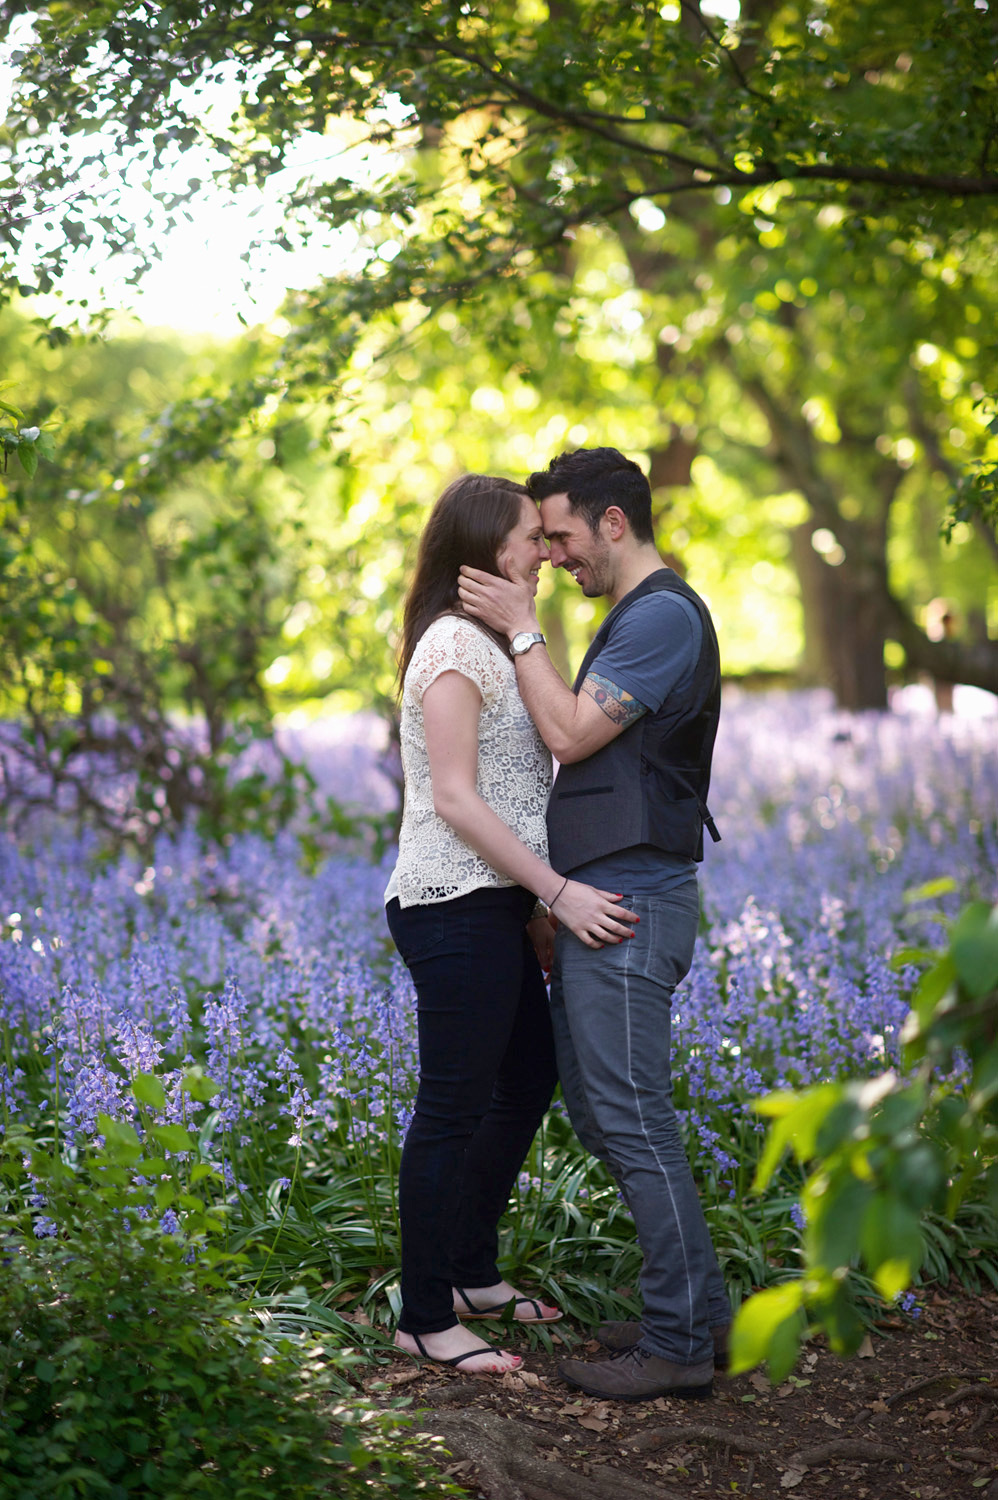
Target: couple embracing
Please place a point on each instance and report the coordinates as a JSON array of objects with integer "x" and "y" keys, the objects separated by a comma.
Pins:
[{"x": 501, "y": 878}]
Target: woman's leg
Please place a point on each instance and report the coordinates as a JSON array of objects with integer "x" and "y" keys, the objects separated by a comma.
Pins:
[
  {"x": 466, "y": 958},
  {"x": 496, "y": 1152}
]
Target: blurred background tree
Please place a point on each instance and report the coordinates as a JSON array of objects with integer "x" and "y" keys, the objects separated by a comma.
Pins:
[{"x": 754, "y": 250}]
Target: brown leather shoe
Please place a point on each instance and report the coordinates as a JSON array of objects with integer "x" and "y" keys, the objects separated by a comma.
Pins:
[
  {"x": 636, "y": 1375},
  {"x": 626, "y": 1335}
]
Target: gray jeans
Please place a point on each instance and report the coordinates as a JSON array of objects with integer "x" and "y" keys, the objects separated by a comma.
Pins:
[{"x": 611, "y": 1010}]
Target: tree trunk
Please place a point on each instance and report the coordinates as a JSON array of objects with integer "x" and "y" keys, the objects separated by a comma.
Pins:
[{"x": 844, "y": 626}]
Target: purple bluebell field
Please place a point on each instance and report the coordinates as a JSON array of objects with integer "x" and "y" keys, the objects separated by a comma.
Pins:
[{"x": 283, "y": 987}]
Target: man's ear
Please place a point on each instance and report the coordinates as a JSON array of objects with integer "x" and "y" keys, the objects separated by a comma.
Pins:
[{"x": 616, "y": 522}]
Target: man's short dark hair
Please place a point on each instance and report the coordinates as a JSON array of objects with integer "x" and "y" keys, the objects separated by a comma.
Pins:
[{"x": 594, "y": 478}]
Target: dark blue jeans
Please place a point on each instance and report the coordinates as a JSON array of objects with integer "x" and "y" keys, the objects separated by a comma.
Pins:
[
  {"x": 612, "y": 1014},
  {"x": 486, "y": 1075}
]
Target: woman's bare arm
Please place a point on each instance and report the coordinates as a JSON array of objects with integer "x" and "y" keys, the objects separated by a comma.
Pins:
[{"x": 451, "y": 708}]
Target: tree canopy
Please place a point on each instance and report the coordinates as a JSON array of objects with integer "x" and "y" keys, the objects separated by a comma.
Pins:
[
  {"x": 774, "y": 234},
  {"x": 887, "y": 111}
]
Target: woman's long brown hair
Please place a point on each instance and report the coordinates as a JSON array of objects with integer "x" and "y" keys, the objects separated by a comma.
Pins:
[{"x": 468, "y": 524}]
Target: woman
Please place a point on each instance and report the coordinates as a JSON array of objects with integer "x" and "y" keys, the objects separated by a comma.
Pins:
[{"x": 461, "y": 908}]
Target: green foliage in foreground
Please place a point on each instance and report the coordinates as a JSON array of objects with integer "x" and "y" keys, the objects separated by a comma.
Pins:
[
  {"x": 20, "y": 439},
  {"x": 127, "y": 1367},
  {"x": 883, "y": 1157}
]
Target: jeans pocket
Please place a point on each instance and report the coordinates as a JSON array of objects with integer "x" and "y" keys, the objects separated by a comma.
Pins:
[
  {"x": 415, "y": 930},
  {"x": 674, "y": 921}
]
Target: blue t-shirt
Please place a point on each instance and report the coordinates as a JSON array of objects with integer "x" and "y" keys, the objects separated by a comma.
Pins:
[{"x": 651, "y": 653}]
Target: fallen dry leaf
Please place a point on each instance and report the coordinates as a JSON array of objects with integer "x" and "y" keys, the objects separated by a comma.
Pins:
[
  {"x": 593, "y": 1424},
  {"x": 402, "y": 1377},
  {"x": 879, "y": 1406},
  {"x": 791, "y": 1477},
  {"x": 866, "y": 1349},
  {"x": 759, "y": 1381},
  {"x": 940, "y": 1416}
]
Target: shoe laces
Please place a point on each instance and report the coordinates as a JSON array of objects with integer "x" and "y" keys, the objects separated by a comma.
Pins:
[{"x": 633, "y": 1351}]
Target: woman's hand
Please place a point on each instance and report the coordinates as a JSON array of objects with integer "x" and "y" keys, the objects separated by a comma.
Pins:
[
  {"x": 540, "y": 931},
  {"x": 593, "y": 915}
]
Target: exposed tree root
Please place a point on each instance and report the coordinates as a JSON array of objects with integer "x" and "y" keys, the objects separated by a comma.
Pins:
[
  {"x": 453, "y": 1392},
  {"x": 945, "y": 1377},
  {"x": 721, "y": 1437},
  {"x": 510, "y": 1467},
  {"x": 854, "y": 1448},
  {"x": 983, "y": 1392}
]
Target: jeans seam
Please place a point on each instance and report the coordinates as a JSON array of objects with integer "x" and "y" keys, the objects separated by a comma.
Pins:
[{"x": 651, "y": 1149}]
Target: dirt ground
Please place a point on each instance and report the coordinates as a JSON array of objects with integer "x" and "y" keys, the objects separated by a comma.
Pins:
[{"x": 913, "y": 1417}]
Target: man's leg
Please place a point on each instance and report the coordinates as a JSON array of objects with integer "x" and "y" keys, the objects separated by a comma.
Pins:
[{"x": 611, "y": 1012}]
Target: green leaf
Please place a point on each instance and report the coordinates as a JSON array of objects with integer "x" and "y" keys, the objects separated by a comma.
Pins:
[
  {"x": 27, "y": 455},
  {"x": 891, "y": 1243},
  {"x": 931, "y": 889},
  {"x": 173, "y": 1137},
  {"x": 200, "y": 1087},
  {"x": 905, "y": 956},
  {"x": 758, "y": 1324},
  {"x": 893, "y": 1276},
  {"x": 148, "y": 1090},
  {"x": 121, "y": 1142},
  {"x": 836, "y": 1208},
  {"x": 165, "y": 1195},
  {"x": 801, "y": 1118},
  {"x": 975, "y": 949},
  {"x": 931, "y": 989}
]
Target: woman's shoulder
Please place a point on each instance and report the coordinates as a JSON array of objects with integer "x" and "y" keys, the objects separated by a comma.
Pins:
[
  {"x": 455, "y": 643},
  {"x": 460, "y": 632}
]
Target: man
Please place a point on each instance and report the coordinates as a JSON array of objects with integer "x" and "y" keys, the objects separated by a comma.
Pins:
[{"x": 634, "y": 739}]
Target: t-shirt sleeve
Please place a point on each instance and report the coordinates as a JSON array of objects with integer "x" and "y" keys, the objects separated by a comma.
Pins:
[
  {"x": 454, "y": 645},
  {"x": 653, "y": 649}
]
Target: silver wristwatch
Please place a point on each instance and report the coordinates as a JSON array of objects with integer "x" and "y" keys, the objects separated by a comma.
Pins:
[{"x": 523, "y": 640}]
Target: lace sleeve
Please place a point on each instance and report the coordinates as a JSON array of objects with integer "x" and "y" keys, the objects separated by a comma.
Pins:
[{"x": 451, "y": 644}]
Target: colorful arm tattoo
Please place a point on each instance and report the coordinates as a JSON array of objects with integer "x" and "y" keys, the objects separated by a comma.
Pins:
[{"x": 615, "y": 703}]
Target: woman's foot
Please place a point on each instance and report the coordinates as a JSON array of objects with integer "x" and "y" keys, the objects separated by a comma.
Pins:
[
  {"x": 461, "y": 1347},
  {"x": 492, "y": 1301}
]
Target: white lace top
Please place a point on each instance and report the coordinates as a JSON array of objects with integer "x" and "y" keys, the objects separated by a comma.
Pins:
[{"x": 514, "y": 768}]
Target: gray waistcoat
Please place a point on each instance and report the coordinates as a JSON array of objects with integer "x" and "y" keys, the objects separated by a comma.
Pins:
[{"x": 648, "y": 785}]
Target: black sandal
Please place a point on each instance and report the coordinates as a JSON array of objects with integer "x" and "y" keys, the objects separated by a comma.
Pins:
[
  {"x": 460, "y": 1358},
  {"x": 497, "y": 1311}
]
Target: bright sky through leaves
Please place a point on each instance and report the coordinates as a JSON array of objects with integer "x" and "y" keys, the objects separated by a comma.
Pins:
[{"x": 201, "y": 281}]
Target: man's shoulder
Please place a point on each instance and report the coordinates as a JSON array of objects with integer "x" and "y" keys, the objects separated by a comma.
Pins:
[{"x": 658, "y": 610}]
